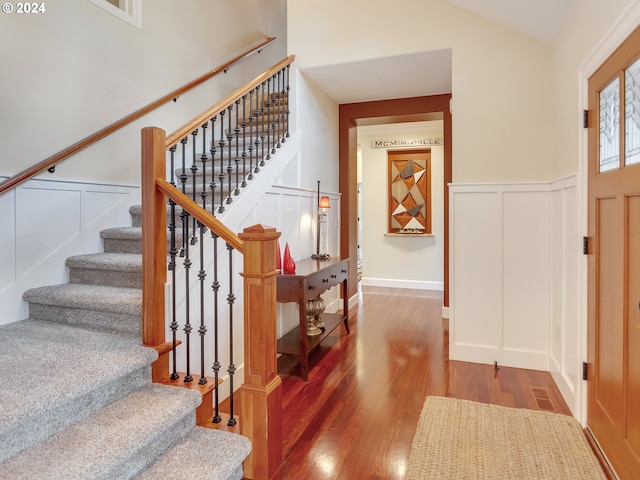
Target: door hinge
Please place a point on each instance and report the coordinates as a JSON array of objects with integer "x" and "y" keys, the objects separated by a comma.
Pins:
[
  {"x": 585, "y": 119},
  {"x": 585, "y": 245},
  {"x": 585, "y": 371}
]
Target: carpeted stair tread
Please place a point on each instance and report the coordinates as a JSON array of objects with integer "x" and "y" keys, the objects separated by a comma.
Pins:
[
  {"x": 124, "y": 239},
  {"x": 103, "y": 298},
  {"x": 62, "y": 374},
  {"x": 115, "y": 442},
  {"x": 202, "y": 454}
]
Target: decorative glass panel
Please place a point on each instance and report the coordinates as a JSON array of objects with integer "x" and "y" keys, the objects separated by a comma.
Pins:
[
  {"x": 632, "y": 114},
  {"x": 610, "y": 126}
]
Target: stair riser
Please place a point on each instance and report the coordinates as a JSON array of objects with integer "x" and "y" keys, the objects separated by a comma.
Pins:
[
  {"x": 39, "y": 425},
  {"x": 129, "y": 325},
  {"x": 105, "y": 277},
  {"x": 117, "y": 245}
]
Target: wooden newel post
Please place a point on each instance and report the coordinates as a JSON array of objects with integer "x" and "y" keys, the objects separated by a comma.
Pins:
[
  {"x": 154, "y": 245},
  {"x": 261, "y": 393}
]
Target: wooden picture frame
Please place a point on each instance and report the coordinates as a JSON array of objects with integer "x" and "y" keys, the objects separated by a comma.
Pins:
[{"x": 409, "y": 191}]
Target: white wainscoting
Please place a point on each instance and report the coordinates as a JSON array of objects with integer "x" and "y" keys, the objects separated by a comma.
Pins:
[
  {"x": 44, "y": 222},
  {"x": 566, "y": 331},
  {"x": 512, "y": 267}
]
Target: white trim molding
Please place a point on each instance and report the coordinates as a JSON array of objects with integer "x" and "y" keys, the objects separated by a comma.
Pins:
[{"x": 128, "y": 10}]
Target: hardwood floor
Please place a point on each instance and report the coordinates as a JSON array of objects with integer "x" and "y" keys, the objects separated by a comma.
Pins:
[{"x": 356, "y": 416}]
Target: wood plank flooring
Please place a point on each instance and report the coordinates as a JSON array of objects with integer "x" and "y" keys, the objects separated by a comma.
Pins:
[{"x": 356, "y": 416}]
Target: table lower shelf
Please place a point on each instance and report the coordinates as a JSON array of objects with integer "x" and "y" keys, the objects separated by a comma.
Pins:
[{"x": 290, "y": 343}]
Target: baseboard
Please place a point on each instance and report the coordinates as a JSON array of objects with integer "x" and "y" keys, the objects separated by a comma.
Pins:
[
  {"x": 504, "y": 357},
  {"x": 336, "y": 304},
  {"x": 393, "y": 283}
]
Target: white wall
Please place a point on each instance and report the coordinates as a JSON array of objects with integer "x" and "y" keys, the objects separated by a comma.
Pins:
[
  {"x": 85, "y": 69},
  {"x": 501, "y": 80},
  {"x": 402, "y": 262},
  {"x": 76, "y": 68}
]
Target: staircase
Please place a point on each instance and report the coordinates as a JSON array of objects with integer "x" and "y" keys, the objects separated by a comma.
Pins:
[{"x": 83, "y": 405}]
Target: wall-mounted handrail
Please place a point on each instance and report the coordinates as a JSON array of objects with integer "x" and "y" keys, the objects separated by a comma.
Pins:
[{"x": 48, "y": 162}]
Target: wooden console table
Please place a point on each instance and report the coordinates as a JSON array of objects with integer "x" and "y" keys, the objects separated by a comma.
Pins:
[{"x": 312, "y": 278}]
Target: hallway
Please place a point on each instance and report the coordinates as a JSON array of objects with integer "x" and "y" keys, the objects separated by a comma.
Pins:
[{"x": 357, "y": 414}]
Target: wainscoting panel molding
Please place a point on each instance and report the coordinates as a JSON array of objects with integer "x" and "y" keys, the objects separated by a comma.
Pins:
[
  {"x": 504, "y": 239},
  {"x": 53, "y": 220},
  {"x": 565, "y": 333}
]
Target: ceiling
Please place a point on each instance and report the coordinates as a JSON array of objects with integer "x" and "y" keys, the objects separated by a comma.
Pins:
[{"x": 429, "y": 73}]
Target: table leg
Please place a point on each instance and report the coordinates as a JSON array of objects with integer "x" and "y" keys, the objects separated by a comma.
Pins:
[
  {"x": 304, "y": 358},
  {"x": 345, "y": 305}
]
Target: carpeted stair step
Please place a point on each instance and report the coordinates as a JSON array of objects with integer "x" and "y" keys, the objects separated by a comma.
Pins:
[
  {"x": 122, "y": 240},
  {"x": 101, "y": 307},
  {"x": 114, "y": 269},
  {"x": 117, "y": 441},
  {"x": 127, "y": 239},
  {"x": 202, "y": 454},
  {"x": 58, "y": 374}
]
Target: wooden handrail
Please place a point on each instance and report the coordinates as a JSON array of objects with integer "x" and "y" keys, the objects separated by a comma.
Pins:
[
  {"x": 205, "y": 116},
  {"x": 48, "y": 162},
  {"x": 200, "y": 214}
]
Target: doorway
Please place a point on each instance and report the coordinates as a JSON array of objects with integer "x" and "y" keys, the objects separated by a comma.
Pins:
[{"x": 376, "y": 113}]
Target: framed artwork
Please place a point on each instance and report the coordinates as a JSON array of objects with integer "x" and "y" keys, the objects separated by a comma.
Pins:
[{"x": 409, "y": 209}]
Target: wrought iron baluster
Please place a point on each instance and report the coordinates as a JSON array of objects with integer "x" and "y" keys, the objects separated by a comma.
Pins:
[
  {"x": 221, "y": 174},
  {"x": 256, "y": 140},
  {"x": 203, "y": 159},
  {"x": 187, "y": 301},
  {"x": 172, "y": 268},
  {"x": 244, "y": 141},
  {"x": 215, "y": 286},
  {"x": 251, "y": 121},
  {"x": 183, "y": 182},
  {"x": 213, "y": 150},
  {"x": 194, "y": 183},
  {"x": 236, "y": 159},
  {"x": 272, "y": 116},
  {"x": 268, "y": 119},
  {"x": 262, "y": 121},
  {"x": 287, "y": 111},
  {"x": 229, "y": 167},
  {"x": 279, "y": 110},
  {"x": 232, "y": 368},
  {"x": 203, "y": 329}
]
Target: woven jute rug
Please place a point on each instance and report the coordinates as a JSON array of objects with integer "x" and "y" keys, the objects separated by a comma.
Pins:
[{"x": 460, "y": 439}]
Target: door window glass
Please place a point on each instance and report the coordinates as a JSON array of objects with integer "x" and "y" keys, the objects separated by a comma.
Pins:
[
  {"x": 632, "y": 113},
  {"x": 610, "y": 126}
]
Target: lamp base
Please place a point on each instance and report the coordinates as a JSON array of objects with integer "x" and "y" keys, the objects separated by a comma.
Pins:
[{"x": 321, "y": 256}]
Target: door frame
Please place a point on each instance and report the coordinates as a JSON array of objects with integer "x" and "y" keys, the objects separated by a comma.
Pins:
[
  {"x": 376, "y": 113},
  {"x": 617, "y": 34}
]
